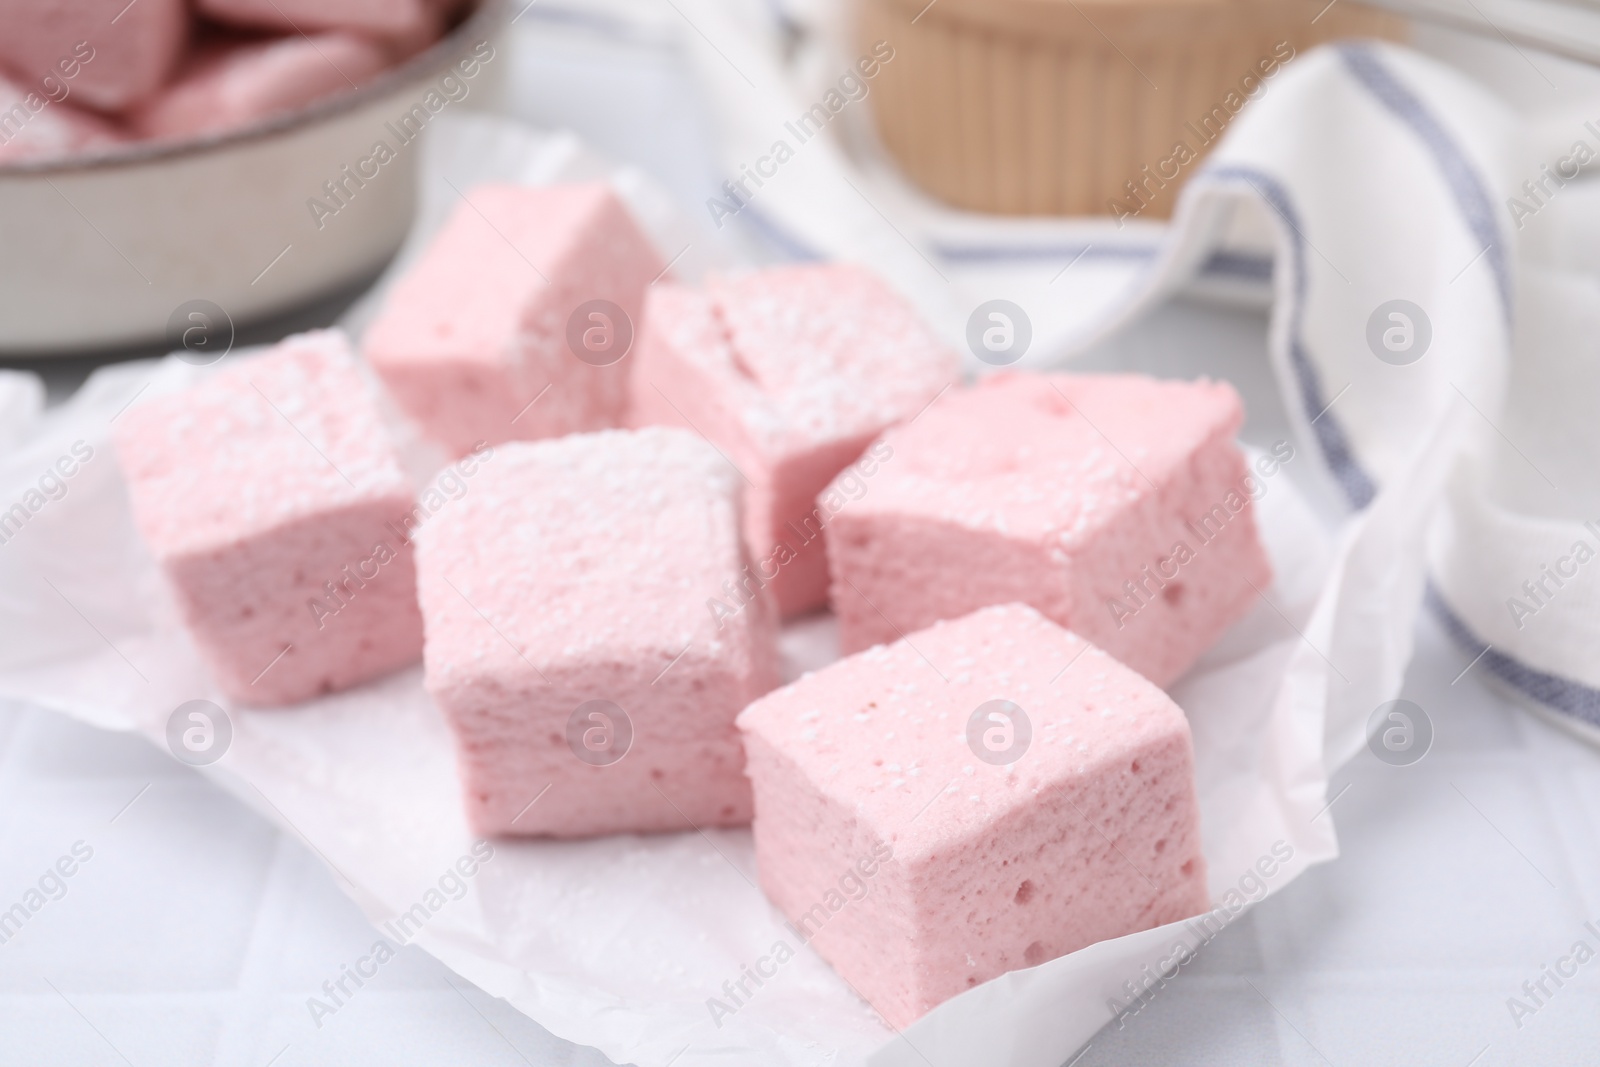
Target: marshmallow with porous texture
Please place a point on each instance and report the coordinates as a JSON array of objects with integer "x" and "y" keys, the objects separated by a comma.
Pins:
[
  {"x": 275, "y": 505},
  {"x": 227, "y": 84},
  {"x": 791, "y": 372},
  {"x": 1118, "y": 505},
  {"x": 475, "y": 340},
  {"x": 108, "y": 54},
  {"x": 386, "y": 18},
  {"x": 570, "y": 646},
  {"x": 919, "y": 868},
  {"x": 32, "y": 126}
]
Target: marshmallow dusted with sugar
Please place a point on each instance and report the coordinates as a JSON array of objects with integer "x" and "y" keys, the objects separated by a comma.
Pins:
[
  {"x": 1118, "y": 505},
  {"x": 477, "y": 341},
  {"x": 271, "y": 497},
  {"x": 568, "y": 643},
  {"x": 791, "y": 372},
  {"x": 1033, "y": 795}
]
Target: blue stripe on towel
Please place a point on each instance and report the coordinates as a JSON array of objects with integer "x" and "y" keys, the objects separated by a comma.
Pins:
[
  {"x": 1331, "y": 437},
  {"x": 1561, "y": 694},
  {"x": 1243, "y": 266},
  {"x": 1064, "y": 253},
  {"x": 1466, "y": 185},
  {"x": 1472, "y": 200}
]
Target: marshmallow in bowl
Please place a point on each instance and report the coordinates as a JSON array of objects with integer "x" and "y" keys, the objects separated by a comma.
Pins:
[
  {"x": 35, "y": 127},
  {"x": 385, "y": 18},
  {"x": 227, "y": 84},
  {"x": 109, "y": 54}
]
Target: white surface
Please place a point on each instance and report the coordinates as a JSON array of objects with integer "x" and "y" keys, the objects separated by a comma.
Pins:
[{"x": 196, "y": 932}]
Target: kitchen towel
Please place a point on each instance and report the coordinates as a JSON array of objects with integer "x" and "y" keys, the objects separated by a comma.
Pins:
[{"x": 1432, "y": 249}]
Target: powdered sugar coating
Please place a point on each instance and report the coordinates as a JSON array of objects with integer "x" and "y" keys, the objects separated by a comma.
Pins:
[
  {"x": 1067, "y": 486},
  {"x": 791, "y": 371},
  {"x": 809, "y": 355},
  {"x": 580, "y": 569},
  {"x": 270, "y": 495},
  {"x": 831, "y": 353},
  {"x": 265, "y": 442},
  {"x": 545, "y": 527},
  {"x": 1091, "y": 833}
]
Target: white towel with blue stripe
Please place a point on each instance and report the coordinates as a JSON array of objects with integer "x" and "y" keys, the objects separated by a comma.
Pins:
[
  {"x": 1425, "y": 305},
  {"x": 1432, "y": 255}
]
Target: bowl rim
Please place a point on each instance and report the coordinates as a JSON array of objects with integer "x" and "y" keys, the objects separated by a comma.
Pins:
[{"x": 484, "y": 21}]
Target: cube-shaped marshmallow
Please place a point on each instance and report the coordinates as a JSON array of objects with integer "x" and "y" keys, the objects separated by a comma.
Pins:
[
  {"x": 573, "y": 644},
  {"x": 792, "y": 372},
  {"x": 986, "y": 795},
  {"x": 101, "y": 54},
  {"x": 230, "y": 83},
  {"x": 517, "y": 320},
  {"x": 1118, "y": 505},
  {"x": 276, "y": 507}
]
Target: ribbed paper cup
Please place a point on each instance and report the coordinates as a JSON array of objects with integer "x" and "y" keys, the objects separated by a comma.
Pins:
[{"x": 1078, "y": 107}]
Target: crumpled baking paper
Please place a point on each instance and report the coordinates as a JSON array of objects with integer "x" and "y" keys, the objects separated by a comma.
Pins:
[{"x": 620, "y": 942}]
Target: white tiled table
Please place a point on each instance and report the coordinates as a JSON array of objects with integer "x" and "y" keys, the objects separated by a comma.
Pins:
[{"x": 196, "y": 932}]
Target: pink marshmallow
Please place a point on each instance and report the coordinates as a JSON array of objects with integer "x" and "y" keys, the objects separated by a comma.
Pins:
[
  {"x": 418, "y": 34},
  {"x": 1119, "y": 506},
  {"x": 34, "y": 127},
  {"x": 476, "y": 340},
  {"x": 577, "y": 571},
  {"x": 386, "y": 18},
  {"x": 228, "y": 84},
  {"x": 791, "y": 372},
  {"x": 276, "y": 507},
  {"x": 108, "y": 54},
  {"x": 919, "y": 868}
]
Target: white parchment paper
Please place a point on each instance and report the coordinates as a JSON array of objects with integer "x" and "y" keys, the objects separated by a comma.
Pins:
[{"x": 619, "y": 942}]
